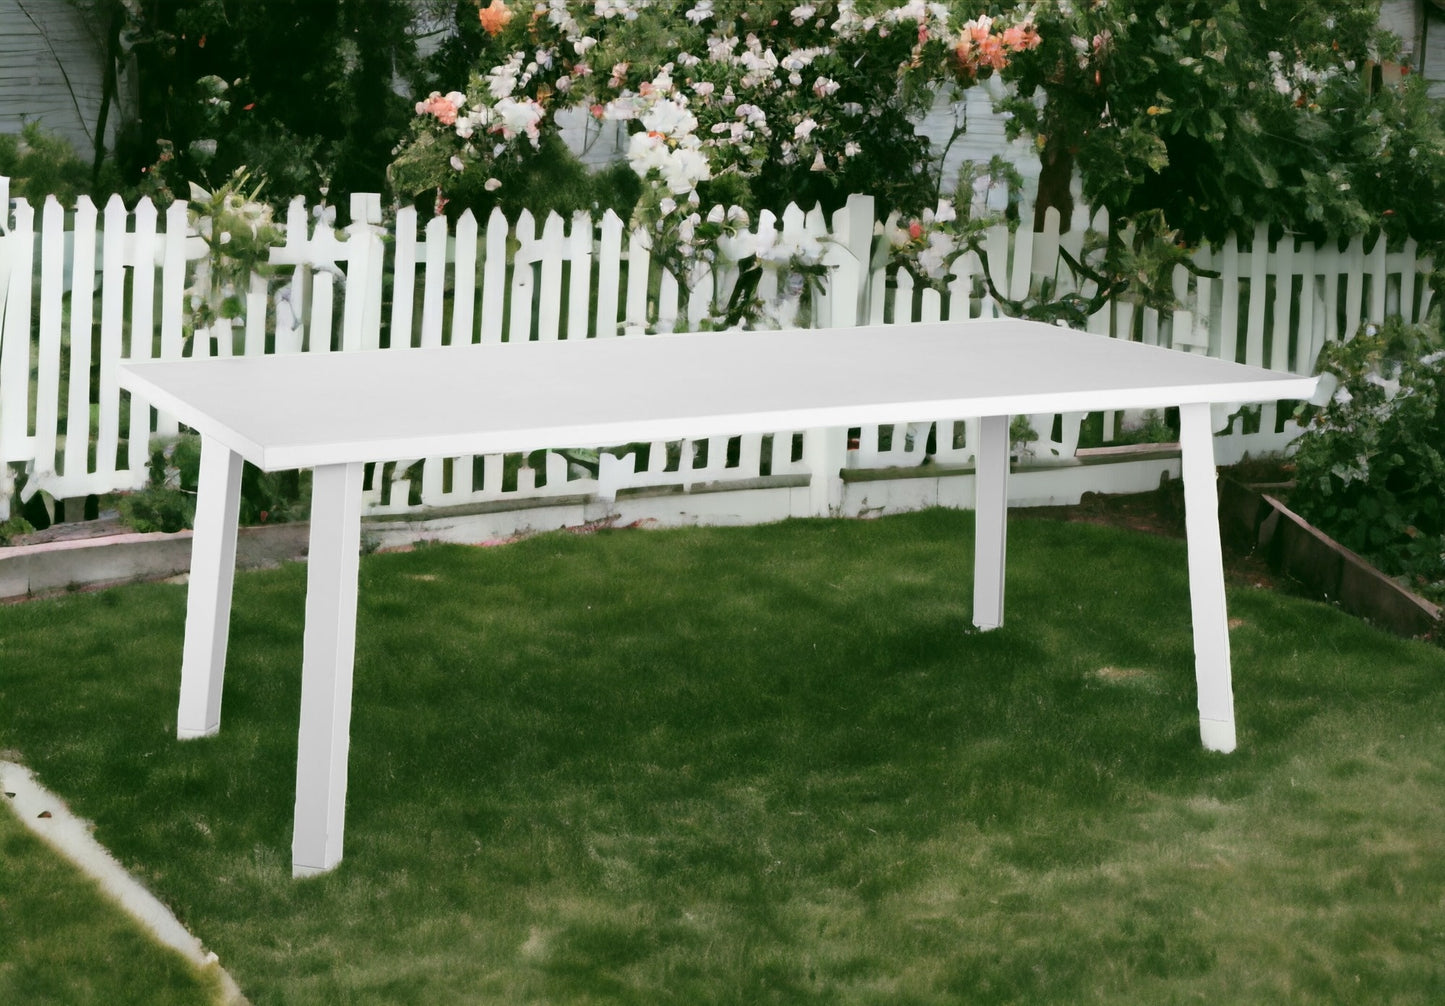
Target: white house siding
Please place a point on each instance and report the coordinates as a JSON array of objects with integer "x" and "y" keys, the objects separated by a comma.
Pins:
[{"x": 50, "y": 71}]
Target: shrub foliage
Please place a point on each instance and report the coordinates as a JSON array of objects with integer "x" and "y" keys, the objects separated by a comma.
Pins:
[{"x": 1371, "y": 466}]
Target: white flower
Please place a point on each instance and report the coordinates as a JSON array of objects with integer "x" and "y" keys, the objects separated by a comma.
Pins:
[
  {"x": 519, "y": 117},
  {"x": 492, "y": 184},
  {"x": 699, "y": 13},
  {"x": 914, "y": 10},
  {"x": 934, "y": 259},
  {"x": 669, "y": 117},
  {"x": 825, "y": 86},
  {"x": 720, "y": 48},
  {"x": 804, "y": 129},
  {"x": 457, "y": 163},
  {"x": 686, "y": 166},
  {"x": 687, "y": 229},
  {"x": 624, "y": 109},
  {"x": 752, "y": 115},
  {"x": 502, "y": 78}
]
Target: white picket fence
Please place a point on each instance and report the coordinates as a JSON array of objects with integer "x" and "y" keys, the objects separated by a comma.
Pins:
[{"x": 87, "y": 288}]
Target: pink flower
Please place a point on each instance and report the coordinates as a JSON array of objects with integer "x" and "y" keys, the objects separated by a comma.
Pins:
[
  {"x": 991, "y": 53},
  {"x": 1021, "y": 37},
  {"x": 443, "y": 107},
  {"x": 915, "y": 230}
]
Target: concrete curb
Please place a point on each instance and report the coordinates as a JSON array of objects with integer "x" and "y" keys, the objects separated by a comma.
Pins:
[
  {"x": 48, "y": 817},
  {"x": 55, "y": 567}
]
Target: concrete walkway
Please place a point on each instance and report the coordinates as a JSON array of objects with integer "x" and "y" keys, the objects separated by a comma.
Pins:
[{"x": 47, "y": 816}]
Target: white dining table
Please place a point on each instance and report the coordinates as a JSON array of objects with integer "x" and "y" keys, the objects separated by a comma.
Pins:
[{"x": 335, "y": 412}]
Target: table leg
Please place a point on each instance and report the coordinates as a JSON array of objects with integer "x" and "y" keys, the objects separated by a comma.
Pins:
[
  {"x": 990, "y": 520},
  {"x": 208, "y": 593},
  {"x": 329, "y": 650},
  {"x": 1206, "y": 579}
]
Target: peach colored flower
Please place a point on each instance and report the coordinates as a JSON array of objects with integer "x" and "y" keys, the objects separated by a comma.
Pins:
[
  {"x": 1022, "y": 36},
  {"x": 444, "y": 107},
  {"x": 494, "y": 17},
  {"x": 991, "y": 53}
]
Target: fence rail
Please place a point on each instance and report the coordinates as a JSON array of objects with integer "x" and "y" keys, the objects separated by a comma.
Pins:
[{"x": 81, "y": 290}]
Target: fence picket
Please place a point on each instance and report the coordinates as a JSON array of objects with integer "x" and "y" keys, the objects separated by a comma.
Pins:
[
  {"x": 579, "y": 277},
  {"x": 365, "y": 269},
  {"x": 434, "y": 282},
  {"x": 1352, "y": 265},
  {"x": 1408, "y": 256},
  {"x": 494, "y": 278},
  {"x": 1258, "y": 281},
  {"x": 464, "y": 280},
  {"x": 1379, "y": 278},
  {"x": 112, "y": 329},
  {"x": 1283, "y": 272},
  {"x": 403, "y": 288},
  {"x": 609, "y": 274},
  {"x": 550, "y": 252},
  {"x": 523, "y": 271},
  {"x": 78, "y": 433},
  {"x": 17, "y": 248},
  {"x": 148, "y": 252},
  {"x": 53, "y": 262},
  {"x": 1311, "y": 320}
]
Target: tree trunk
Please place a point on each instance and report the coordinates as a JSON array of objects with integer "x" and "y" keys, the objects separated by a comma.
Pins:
[
  {"x": 1056, "y": 176},
  {"x": 108, "y": 86}
]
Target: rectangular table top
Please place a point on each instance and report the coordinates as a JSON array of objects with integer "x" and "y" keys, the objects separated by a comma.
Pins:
[{"x": 302, "y": 410}]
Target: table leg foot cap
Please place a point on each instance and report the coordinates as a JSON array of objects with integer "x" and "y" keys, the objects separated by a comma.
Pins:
[{"x": 1217, "y": 735}]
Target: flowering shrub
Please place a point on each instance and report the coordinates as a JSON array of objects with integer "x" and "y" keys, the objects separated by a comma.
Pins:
[
  {"x": 1370, "y": 469},
  {"x": 796, "y": 89},
  {"x": 750, "y": 105},
  {"x": 929, "y": 243}
]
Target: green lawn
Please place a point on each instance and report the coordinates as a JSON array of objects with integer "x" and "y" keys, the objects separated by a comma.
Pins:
[
  {"x": 63, "y": 941},
  {"x": 771, "y": 765}
]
